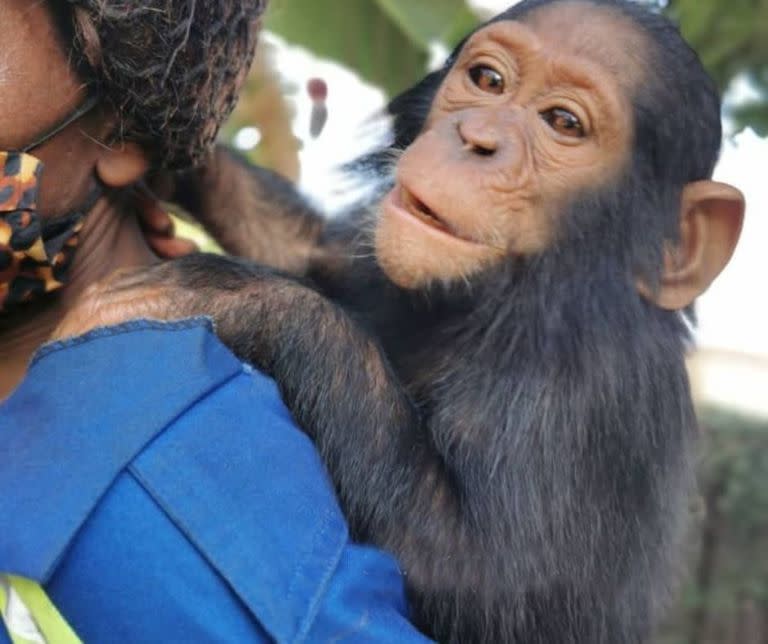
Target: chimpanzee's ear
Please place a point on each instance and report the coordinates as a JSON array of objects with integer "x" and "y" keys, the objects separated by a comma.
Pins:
[{"x": 711, "y": 219}]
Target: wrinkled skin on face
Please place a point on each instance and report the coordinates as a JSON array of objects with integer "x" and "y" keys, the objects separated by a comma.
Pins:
[{"x": 529, "y": 115}]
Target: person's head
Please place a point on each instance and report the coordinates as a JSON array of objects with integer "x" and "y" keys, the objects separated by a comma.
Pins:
[{"x": 156, "y": 78}]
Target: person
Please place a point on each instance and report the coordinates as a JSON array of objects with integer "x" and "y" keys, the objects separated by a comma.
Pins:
[
  {"x": 175, "y": 500},
  {"x": 76, "y": 138}
]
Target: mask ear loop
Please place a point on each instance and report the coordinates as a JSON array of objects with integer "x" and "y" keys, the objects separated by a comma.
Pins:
[
  {"x": 54, "y": 235},
  {"x": 81, "y": 111}
]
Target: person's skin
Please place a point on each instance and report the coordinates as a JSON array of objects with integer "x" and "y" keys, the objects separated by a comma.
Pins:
[{"x": 37, "y": 90}]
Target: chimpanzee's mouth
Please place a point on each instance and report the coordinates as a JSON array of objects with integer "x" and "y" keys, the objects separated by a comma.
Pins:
[
  {"x": 409, "y": 205},
  {"x": 424, "y": 213}
]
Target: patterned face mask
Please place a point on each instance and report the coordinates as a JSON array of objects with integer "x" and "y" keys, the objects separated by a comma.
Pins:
[{"x": 35, "y": 252}]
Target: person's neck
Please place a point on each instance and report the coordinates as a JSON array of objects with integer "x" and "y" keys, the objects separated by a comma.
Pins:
[{"x": 111, "y": 239}]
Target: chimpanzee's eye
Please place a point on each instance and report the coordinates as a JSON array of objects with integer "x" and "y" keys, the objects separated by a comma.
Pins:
[
  {"x": 487, "y": 79},
  {"x": 564, "y": 122}
]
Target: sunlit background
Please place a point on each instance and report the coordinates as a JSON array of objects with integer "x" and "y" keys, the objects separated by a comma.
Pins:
[{"x": 368, "y": 50}]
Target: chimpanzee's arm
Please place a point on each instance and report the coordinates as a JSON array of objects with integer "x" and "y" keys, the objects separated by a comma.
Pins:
[
  {"x": 391, "y": 480},
  {"x": 342, "y": 392},
  {"x": 251, "y": 212},
  {"x": 477, "y": 571}
]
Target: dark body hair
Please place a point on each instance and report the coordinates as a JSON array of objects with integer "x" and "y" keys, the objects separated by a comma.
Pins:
[
  {"x": 523, "y": 443},
  {"x": 577, "y": 427}
]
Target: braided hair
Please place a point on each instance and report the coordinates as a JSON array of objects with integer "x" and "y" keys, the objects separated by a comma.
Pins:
[{"x": 170, "y": 69}]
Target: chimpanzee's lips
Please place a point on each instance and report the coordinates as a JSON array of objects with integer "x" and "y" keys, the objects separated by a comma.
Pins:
[
  {"x": 422, "y": 211},
  {"x": 407, "y": 201}
]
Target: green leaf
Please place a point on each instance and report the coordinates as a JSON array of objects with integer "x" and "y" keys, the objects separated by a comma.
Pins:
[
  {"x": 426, "y": 21},
  {"x": 754, "y": 115},
  {"x": 732, "y": 39},
  {"x": 386, "y": 41}
]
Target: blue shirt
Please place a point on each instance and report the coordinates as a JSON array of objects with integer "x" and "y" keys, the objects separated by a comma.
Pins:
[{"x": 160, "y": 491}]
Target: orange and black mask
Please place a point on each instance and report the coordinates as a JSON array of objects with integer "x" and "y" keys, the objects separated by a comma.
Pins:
[{"x": 35, "y": 252}]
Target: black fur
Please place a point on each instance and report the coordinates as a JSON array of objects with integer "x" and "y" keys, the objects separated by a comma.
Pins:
[{"x": 522, "y": 445}]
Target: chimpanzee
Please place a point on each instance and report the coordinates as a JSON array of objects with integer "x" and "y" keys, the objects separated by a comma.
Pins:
[{"x": 491, "y": 362}]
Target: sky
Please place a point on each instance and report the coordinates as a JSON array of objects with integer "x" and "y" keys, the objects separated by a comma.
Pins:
[
  {"x": 490, "y": 6},
  {"x": 733, "y": 315}
]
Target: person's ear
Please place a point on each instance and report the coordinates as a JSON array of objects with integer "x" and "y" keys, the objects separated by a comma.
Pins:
[
  {"x": 122, "y": 165},
  {"x": 711, "y": 219}
]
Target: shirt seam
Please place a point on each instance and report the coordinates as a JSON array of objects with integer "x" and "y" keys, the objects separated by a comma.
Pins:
[
  {"x": 317, "y": 597},
  {"x": 128, "y": 468},
  {"x": 314, "y": 601},
  {"x": 125, "y": 328}
]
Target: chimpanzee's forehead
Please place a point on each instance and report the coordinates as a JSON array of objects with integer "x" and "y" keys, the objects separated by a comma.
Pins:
[{"x": 580, "y": 30}]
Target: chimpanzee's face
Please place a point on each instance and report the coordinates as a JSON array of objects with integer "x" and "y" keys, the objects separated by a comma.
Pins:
[{"x": 530, "y": 116}]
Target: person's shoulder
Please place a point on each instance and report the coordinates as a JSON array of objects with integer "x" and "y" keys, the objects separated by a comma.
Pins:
[
  {"x": 142, "y": 374},
  {"x": 166, "y": 403},
  {"x": 214, "y": 455}
]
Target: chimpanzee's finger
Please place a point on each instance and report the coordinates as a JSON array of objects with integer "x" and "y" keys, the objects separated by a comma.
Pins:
[
  {"x": 172, "y": 247},
  {"x": 153, "y": 218}
]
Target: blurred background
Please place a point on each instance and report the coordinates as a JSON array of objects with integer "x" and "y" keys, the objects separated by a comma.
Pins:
[{"x": 366, "y": 51}]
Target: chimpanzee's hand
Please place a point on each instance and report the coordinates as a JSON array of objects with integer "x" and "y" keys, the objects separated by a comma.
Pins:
[
  {"x": 251, "y": 306},
  {"x": 159, "y": 230},
  {"x": 194, "y": 285},
  {"x": 126, "y": 295}
]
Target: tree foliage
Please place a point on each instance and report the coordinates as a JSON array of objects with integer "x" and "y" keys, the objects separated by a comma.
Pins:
[
  {"x": 725, "y": 600},
  {"x": 386, "y": 41},
  {"x": 732, "y": 39}
]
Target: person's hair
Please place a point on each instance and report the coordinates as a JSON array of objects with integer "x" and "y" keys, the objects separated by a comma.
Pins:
[{"x": 171, "y": 70}]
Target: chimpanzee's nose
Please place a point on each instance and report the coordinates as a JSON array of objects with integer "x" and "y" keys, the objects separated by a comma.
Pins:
[{"x": 479, "y": 132}]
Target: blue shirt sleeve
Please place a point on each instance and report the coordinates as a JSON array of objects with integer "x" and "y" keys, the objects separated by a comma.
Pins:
[{"x": 161, "y": 492}]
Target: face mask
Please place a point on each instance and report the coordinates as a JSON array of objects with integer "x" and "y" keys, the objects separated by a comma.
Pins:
[{"x": 35, "y": 252}]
